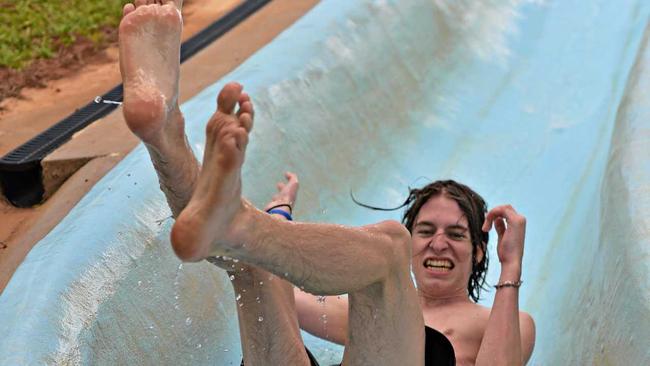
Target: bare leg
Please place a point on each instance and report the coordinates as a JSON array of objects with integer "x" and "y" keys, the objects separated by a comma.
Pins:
[
  {"x": 268, "y": 320},
  {"x": 150, "y": 36},
  {"x": 149, "y": 62},
  {"x": 370, "y": 263},
  {"x": 268, "y": 323}
]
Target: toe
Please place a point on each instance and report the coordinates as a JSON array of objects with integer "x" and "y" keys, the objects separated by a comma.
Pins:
[
  {"x": 246, "y": 121},
  {"x": 228, "y": 98},
  {"x": 246, "y": 107},
  {"x": 139, "y": 3},
  {"x": 243, "y": 98},
  {"x": 127, "y": 9},
  {"x": 241, "y": 138}
]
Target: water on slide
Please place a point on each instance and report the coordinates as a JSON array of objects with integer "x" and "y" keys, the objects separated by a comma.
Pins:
[{"x": 542, "y": 104}]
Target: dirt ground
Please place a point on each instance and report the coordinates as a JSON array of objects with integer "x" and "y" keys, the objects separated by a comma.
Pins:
[{"x": 95, "y": 150}]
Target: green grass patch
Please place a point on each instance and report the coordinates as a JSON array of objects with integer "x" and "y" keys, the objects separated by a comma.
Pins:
[{"x": 33, "y": 29}]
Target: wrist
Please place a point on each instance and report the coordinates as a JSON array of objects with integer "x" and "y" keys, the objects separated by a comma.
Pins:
[
  {"x": 279, "y": 210},
  {"x": 511, "y": 272}
]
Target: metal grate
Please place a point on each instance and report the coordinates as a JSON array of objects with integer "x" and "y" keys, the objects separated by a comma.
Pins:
[{"x": 28, "y": 156}]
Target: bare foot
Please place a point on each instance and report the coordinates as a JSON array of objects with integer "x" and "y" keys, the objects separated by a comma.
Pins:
[
  {"x": 207, "y": 226},
  {"x": 150, "y": 38},
  {"x": 286, "y": 196}
]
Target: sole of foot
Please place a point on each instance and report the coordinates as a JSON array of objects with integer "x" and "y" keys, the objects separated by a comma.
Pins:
[{"x": 149, "y": 43}]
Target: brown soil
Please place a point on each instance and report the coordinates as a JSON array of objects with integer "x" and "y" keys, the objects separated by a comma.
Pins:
[
  {"x": 67, "y": 61},
  {"x": 103, "y": 144}
]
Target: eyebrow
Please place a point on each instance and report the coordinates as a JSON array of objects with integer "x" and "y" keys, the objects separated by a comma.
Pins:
[{"x": 430, "y": 224}]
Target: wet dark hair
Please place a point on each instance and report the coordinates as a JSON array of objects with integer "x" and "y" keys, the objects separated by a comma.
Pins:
[{"x": 473, "y": 207}]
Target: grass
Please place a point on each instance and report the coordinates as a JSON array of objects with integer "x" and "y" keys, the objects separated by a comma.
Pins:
[{"x": 35, "y": 29}]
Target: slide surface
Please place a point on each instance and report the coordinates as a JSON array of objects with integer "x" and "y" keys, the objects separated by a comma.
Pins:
[{"x": 541, "y": 104}]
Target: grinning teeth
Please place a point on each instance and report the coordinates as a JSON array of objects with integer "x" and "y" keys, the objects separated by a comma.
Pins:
[{"x": 439, "y": 263}]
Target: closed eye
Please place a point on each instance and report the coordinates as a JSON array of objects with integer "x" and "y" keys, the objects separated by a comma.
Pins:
[{"x": 456, "y": 235}]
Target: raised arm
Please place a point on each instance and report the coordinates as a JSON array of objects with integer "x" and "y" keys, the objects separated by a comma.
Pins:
[
  {"x": 510, "y": 335},
  {"x": 325, "y": 317}
]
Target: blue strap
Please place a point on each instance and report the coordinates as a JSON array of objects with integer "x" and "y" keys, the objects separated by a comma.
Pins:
[{"x": 280, "y": 212}]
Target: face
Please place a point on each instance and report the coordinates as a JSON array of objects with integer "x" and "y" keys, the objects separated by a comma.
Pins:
[{"x": 442, "y": 249}]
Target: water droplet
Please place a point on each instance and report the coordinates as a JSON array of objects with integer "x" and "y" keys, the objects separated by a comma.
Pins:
[
  {"x": 232, "y": 277},
  {"x": 180, "y": 266},
  {"x": 139, "y": 283},
  {"x": 260, "y": 319},
  {"x": 235, "y": 260},
  {"x": 188, "y": 321},
  {"x": 225, "y": 349},
  {"x": 258, "y": 299},
  {"x": 238, "y": 297},
  {"x": 286, "y": 274},
  {"x": 198, "y": 345},
  {"x": 241, "y": 269},
  {"x": 261, "y": 283},
  {"x": 241, "y": 304}
]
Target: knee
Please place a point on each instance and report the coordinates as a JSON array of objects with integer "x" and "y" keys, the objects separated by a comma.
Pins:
[{"x": 398, "y": 243}]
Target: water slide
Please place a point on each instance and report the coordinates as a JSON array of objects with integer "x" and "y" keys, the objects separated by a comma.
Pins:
[{"x": 542, "y": 104}]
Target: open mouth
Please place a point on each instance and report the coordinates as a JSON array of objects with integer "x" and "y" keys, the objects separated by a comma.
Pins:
[{"x": 442, "y": 265}]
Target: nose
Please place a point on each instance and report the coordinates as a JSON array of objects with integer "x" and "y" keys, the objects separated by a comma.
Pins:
[{"x": 439, "y": 242}]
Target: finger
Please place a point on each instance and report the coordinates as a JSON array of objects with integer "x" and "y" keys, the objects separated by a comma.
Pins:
[
  {"x": 291, "y": 177},
  {"x": 487, "y": 224},
  {"x": 500, "y": 226},
  {"x": 505, "y": 211}
]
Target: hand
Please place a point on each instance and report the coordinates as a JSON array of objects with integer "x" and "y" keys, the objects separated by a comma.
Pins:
[
  {"x": 511, "y": 229},
  {"x": 287, "y": 192}
]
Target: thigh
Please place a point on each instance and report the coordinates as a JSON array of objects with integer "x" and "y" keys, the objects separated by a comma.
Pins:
[
  {"x": 268, "y": 323},
  {"x": 385, "y": 324}
]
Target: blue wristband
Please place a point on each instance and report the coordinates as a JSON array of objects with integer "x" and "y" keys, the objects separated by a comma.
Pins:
[{"x": 280, "y": 212}]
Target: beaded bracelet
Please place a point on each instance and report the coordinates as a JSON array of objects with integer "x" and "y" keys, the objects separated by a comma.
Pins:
[{"x": 508, "y": 284}]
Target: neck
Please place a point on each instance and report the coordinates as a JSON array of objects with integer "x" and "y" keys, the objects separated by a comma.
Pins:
[{"x": 434, "y": 301}]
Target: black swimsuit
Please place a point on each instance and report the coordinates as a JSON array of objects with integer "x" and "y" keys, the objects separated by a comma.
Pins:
[{"x": 438, "y": 351}]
